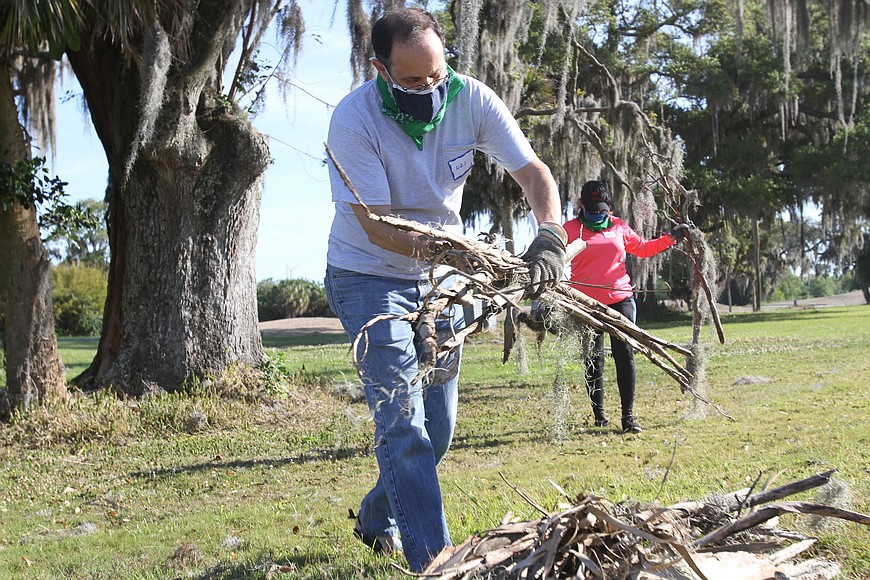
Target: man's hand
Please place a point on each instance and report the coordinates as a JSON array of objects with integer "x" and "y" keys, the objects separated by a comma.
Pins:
[{"x": 546, "y": 258}]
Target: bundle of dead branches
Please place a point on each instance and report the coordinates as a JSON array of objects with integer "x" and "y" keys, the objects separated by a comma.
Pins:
[
  {"x": 499, "y": 279},
  {"x": 482, "y": 270},
  {"x": 590, "y": 539}
]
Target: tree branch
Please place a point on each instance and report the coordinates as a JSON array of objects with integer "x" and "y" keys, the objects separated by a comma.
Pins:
[
  {"x": 246, "y": 51},
  {"x": 773, "y": 510}
]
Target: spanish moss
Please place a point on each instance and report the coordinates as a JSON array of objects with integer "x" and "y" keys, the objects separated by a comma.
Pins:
[
  {"x": 156, "y": 59},
  {"x": 467, "y": 29},
  {"x": 35, "y": 80}
]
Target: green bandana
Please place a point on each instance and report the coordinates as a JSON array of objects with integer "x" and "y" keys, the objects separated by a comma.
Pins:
[
  {"x": 603, "y": 225},
  {"x": 415, "y": 128}
]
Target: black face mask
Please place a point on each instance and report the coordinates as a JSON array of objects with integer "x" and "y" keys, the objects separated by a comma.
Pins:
[{"x": 422, "y": 106}]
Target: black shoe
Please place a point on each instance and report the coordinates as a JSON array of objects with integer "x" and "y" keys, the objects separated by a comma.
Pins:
[
  {"x": 602, "y": 423},
  {"x": 629, "y": 425},
  {"x": 385, "y": 544}
]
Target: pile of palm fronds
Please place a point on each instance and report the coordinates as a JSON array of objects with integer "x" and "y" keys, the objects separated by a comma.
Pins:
[{"x": 724, "y": 536}]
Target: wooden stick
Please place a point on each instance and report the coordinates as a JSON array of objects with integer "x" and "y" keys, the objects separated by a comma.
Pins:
[
  {"x": 773, "y": 510},
  {"x": 664, "y": 180},
  {"x": 786, "y": 490},
  {"x": 734, "y": 500},
  {"x": 711, "y": 301},
  {"x": 523, "y": 495}
]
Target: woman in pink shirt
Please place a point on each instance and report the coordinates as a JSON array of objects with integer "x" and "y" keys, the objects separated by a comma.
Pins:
[{"x": 599, "y": 272}]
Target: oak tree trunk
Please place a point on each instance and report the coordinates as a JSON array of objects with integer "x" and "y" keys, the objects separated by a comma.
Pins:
[
  {"x": 182, "y": 228},
  {"x": 34, "y": 372}
]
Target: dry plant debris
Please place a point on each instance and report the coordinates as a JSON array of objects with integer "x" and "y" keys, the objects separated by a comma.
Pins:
[
  {"x": 593, "y": 539},
  {"x": 499, "y": 279},
  {"x": 493, "y": 275}
]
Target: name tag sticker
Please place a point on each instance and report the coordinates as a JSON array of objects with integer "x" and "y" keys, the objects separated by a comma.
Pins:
[
  {"x": 461, "y": 165},
  {"x": 609, "y": 234}
]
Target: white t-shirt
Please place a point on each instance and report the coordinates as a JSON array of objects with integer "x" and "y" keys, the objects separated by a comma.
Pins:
[{"x": 386, "y": 168}]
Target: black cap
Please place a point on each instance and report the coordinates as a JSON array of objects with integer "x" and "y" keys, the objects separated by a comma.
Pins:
[{"x": 594, "y": 196}]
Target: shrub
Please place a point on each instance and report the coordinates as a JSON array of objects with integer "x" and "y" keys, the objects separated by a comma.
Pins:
[
  {"x": 317, "y": 303},
  {"x": 266, "y": 298},
  {"x": 818, "y": 286},
  {"x": 79, "y": 297},
  {"x": 790, "y": 287},
  {"x": 291, "y": 299}
]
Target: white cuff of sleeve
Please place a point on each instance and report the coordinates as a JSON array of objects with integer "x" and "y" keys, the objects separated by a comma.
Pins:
[{"x": 557, "y": 230}]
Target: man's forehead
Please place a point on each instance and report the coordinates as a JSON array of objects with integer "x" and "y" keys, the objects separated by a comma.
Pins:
[{"x": 422, "y": 63}]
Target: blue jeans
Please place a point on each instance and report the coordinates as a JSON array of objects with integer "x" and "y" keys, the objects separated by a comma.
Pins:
[{"x": 414, "y": 422}]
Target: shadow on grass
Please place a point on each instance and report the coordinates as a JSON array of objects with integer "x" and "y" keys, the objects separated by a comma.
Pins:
[
  {"x": 482, "y": 441},
  {"x": 88, "y": 343},
  {"x": 783, "y": 314},
  {"x": 311, "y": 565},
  {"x": 311, "y": 456},
  {"x": 541, "y": 436},
  {"x": 462, "y": 441},
  {"x": 765, "y": 315},
  {"x": 486, "y": 394}
]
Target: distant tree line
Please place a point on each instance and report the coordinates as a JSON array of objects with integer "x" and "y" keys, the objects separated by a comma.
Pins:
[
  {"x": 79, "y": 294},
  {"x": 294, "y": 298},
  {"x": 79, "y": 274}
]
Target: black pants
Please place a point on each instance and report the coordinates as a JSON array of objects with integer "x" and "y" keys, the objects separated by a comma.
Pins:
[{"x": 623, "y": 356}]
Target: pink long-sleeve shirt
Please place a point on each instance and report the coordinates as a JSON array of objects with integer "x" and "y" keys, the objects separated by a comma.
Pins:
[{"x": 601, "y": 264}]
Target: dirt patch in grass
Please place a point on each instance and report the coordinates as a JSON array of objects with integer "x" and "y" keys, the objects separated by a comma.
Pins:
[{"x": 301, "y": 326}]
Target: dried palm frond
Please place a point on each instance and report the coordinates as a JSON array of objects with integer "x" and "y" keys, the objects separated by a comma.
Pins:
[{"x": 592, "y": 538}]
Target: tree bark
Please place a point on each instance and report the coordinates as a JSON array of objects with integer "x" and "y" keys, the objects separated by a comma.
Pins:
[
  {"x": 756, "y": 287},
  {"x": 182, "y": 229},
  {"x": 34, "y": 372}
]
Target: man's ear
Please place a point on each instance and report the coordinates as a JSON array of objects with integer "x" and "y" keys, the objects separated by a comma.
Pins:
[{"x": 380, "y": 67}]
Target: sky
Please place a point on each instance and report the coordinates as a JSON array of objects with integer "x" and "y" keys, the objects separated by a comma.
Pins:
[{"x": 296, "y": 210}]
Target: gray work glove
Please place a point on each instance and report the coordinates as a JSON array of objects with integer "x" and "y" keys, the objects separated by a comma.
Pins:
[
  {"x": 679, "y": 232},
  {"x": 546, "y": 260}
]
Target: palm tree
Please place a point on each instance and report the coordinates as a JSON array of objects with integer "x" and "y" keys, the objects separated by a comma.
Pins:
[{"x": 34, "y": 372}]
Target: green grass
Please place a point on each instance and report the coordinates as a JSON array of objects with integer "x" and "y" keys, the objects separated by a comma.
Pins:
[
  {"x": 106, "y": 489},
  {"x": 77, "y": 353}
]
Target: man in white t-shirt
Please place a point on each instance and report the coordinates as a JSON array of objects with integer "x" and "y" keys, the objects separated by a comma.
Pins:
[{"x": 406, "y": 141}]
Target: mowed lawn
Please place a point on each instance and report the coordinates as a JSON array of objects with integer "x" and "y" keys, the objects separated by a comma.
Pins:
[{"x": 202, "y": 486}]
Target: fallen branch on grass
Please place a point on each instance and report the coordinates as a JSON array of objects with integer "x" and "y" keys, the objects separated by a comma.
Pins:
[{"x": 594, "y": 539}]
